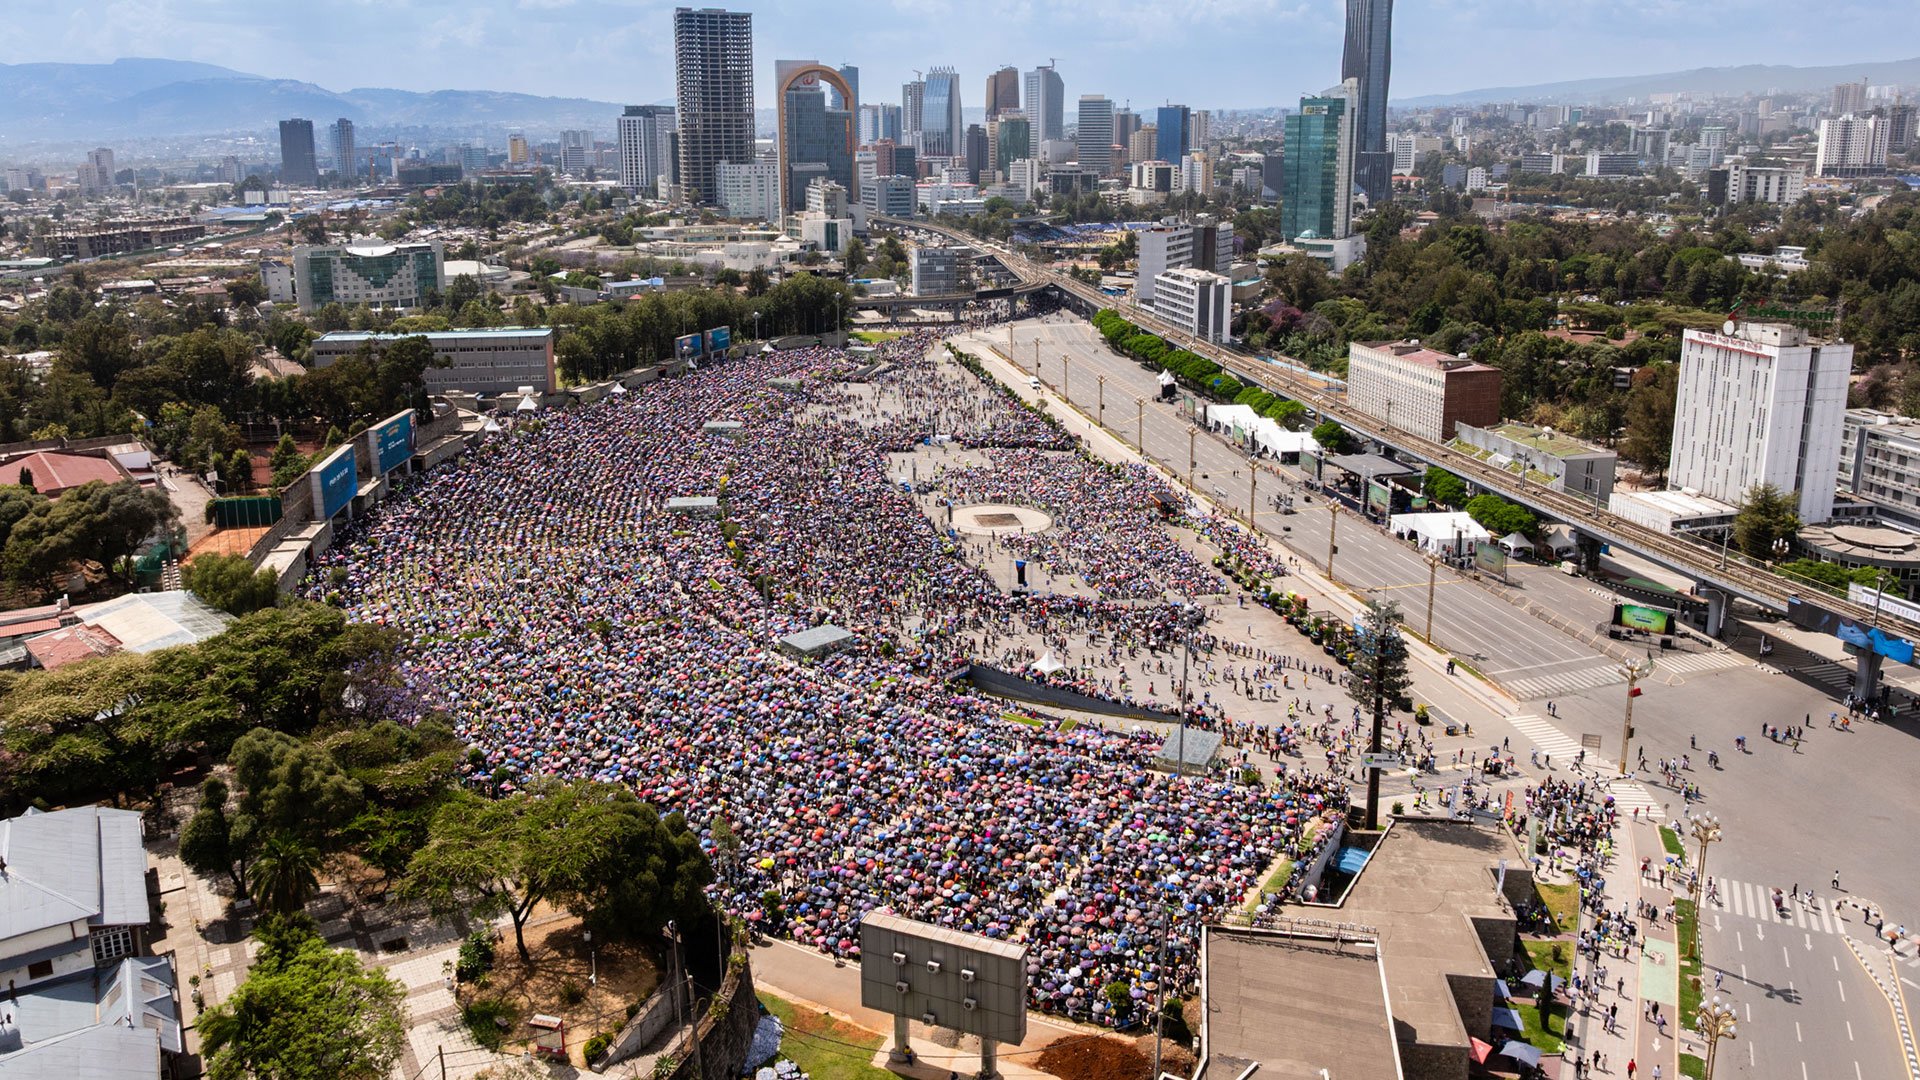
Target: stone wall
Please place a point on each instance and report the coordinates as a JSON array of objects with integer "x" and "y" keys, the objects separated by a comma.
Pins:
[
  {"x": 725, "y": 1038},
  {"x": 654, "y": 1017}
]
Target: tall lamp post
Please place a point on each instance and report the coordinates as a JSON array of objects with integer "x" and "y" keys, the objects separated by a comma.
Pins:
[
  {"x": 1333, "y": 531},
  {"x": 1102, "y": 381},
  {"x": 1191, "y": 433},
  {"x": 1066, "y": 379},
  {"x": 1715, "y": 1020},
  {"x": 1634, "y": 670},
  {"x": 1705, "y": 829}
]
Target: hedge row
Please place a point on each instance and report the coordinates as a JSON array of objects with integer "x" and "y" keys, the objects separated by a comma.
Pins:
[{"x": 1194, "y": 371}]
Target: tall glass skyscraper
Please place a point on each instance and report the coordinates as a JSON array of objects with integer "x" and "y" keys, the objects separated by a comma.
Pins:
[
  {"x": 1046, "y": 104},
  {"x": 941, "y": 133},
  {"x": 1368, "y": 61},
  {"x": 815, "y": 136},
  {"x": 1319, "y": 166},
  {"x": 1175, "y": 135},
  {"x": 297, "y": 164}
]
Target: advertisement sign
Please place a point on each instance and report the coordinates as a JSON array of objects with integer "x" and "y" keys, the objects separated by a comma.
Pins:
[
  {"x": 1382, "y": 760},
  {"x": 1640, "y": 617},
  {"x": 719, "y": 339},
  {"x": 1490, "y": 557},
  {"x": 688, "y": 347},
  {"x": 1378, "y": 497},
  {"x": 1820, "y": 620},
  {"x": 391, "y": 441},
  {"x": 334, "y": 481}
]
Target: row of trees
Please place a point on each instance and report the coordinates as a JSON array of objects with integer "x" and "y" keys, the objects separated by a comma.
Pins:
[{"x": 600, "y": 340}]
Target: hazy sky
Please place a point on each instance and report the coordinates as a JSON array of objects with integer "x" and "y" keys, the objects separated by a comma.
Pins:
[{"x": 1205, "y": 53}]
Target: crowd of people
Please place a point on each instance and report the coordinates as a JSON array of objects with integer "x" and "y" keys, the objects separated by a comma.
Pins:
[{"x": 571, "y": 624}]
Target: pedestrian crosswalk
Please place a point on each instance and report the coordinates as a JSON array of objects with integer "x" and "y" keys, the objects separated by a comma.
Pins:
[
  {"x": 1715, "y": 660},
  {"x": 1629, "y": 796},
  {"x": 1562, "y": 682},
  {"x": 1756, "y": 902},
  {"x": 1550, "y": 740}
]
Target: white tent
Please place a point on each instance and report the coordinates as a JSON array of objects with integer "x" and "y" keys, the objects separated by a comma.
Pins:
[
  {"x": 1446, "y": 533},
  {"x": 1515, "y": 543},
  {"x": 1047, "y": 665},
  {"x": 1166, "y": 379}
]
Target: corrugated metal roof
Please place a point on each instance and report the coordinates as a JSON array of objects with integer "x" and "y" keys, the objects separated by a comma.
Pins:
[
  {"x": 57, "y": 865},
  {"x": 145, "y": 622}
]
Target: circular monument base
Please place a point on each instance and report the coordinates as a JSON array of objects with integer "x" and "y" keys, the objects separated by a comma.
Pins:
[{"x": 998, "y": 519}]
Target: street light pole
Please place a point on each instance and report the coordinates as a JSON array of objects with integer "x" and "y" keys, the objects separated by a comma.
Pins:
[
  {"x": 1715, "y": 1020},
  {"x": 1066, "y": 379},
  {"x": 1102, "y": 381},
  {"x": 1191, "y": 432},
  {"x": 1433, "y": 571},
  {"x": 1253, "y": 494},
  {"x": 1706, "y": 829},
  {"x": 1140, "y": 424},
  {"x": 1634, "y": 670},
  {"x": 1333, "y": 530}
]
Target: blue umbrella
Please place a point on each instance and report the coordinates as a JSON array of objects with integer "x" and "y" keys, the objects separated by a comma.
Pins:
[{"x": 1522, "y": 1053}]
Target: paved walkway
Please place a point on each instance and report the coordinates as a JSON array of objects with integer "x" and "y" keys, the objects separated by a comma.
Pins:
[{"x": 1648, "y": 973}]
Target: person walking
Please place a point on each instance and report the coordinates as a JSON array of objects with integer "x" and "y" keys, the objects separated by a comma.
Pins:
[
  {"x": 1836, "y": 881},
  {"x": 1633, "y": 1067}
]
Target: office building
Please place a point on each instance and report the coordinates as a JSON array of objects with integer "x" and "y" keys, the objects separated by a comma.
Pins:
[
  {"x": 646, "y": 149},
  {"x": 1603, "y": 165},
  {"x": 878, "y": 121},
  {"x": 851, "y": 76},
  {"x": 343, "y": 148},
  {"x": 1420, "y": 391},
  {"x": 713, "y": 82},
  {"x": 1880, "y": 460},
  {"x": 1013, "y": 139},
  {"x": 1319, "y": 166},
  {"x": 377, "y": 275},
  {"x": 1195, "y": 173},
  {"x": 297, "y": 165},
  {"x": 1094, "y": 141},
  {"x": 1174, "y": 124},
  {"x": 749, "y": 191},
  {"x": 517, "y": 149},
  {"x": 1200, "y": 130},
  {"x": 1763, "y": 405},
  {"x": 890, "y": 196},
  {"x": 1026, "y": 175},
  {"x": 488, "y": 361},
  {"x": 1848, "y": 98},
  {"x": 1144, "y": 144},
  {"x": 1903, "y": 125},
  {"x": 576, "y": 152},
  {"x": 1652, "y": 144},
  {"x": 1542, "y": 164},
  {"x": 1197, "y": 301},
  {"x": 96, "y": 174},
  {"x": 1853, "y": 146},
  {"x": 913, "y": 111},
  {"x": 940, "y": 271},
  {"x": 1778, "y": 185},
  {"x": 1154, "y": 176},
  {"x": 1003, "y": 92},
  {"x": 813, "y": 134},
  {"x": 1367, "y": 61},
  {"x": 1163, "y": 247},
  {"x": 1247, "y": 179},
  {"x": 1573, "y": 466},
  {"x": 942, "y": 133},
  {"x": 1046, "y": 104},
  {"x": 976, "y": 152}
]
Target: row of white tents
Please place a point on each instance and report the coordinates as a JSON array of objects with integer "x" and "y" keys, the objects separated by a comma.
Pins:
[{"x": 1248, "y": 426}]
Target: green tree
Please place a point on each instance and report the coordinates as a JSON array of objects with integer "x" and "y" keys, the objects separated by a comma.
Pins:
[
  {"x": 1379, "y": 681},
  {"x": 1502, "y": 518},
  {"x": 1443, "y": 487},
  {"x": 80, "y": 732},
  {"x": 285, "y": 875},
  {"x": 305, "y": 1012},
  {"x": 292, "y": 788},
  {"x": 1767, "y": 515},
  {"x": 216, "y": 842},
  {"x": 1649, "y": 417},
  {"x": 230, "y": 583},
  {"x": 1332, "y": 438}
]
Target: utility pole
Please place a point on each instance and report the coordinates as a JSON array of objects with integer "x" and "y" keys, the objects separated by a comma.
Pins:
[
  {"x": 1102, "y": 381},
  {"x": 441, "y": 1053},
  {"x": 1253, "y": 494},
  {"x": 1191, "y": 432},
  {"x": 1634, "y": 670},
  {"x": 1333, "y": 528},
  {"x": 1066, "y": 379},
  {"x": 1139, "y": 424},
  {"x": 1433, "y": 571}
]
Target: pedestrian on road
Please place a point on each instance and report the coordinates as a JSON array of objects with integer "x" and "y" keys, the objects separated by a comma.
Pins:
[
  {"x": 1836, "y": 881},
  {"x": 1633, "y": 1067}
]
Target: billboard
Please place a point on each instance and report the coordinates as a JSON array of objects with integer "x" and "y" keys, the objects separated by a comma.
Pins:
[
  {"x": 944, "y": 977},
  {"x": 1653, "y": 620},
  {"x": 1490, "y": 557},
  {"x": 334, "y": 481},
  {"x": 687, "y": 347},
  {"x": 1820, "y": 620},
  {"x": 391, "y": 442},
  {"x": 1378, "y": 497},
  {"x": 719, "y": 339}
]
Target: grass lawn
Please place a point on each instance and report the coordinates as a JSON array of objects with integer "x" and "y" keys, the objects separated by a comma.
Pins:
[
  {"x": 875, "y": 337},
  {"x": 1020, "y": 718},
  {"x": 1564, "y": 902},
  {"x": 1690, "y": 967},
  {"x": 1550, "y": 1037},
  {"x": 815, "y": 1041},
  {"x": 1274, "y": 883},
  {"x": 1069, "y": 724},
  {"x": 1694, "y": 1068},
  {"x": 1541, "y": 954},
  {"x": 1671, "y": 841}
]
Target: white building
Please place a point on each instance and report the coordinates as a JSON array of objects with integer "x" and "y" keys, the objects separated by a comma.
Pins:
[
  {"x": 1162, "y": 248},
  {"x": 1779, "y": 185},
  {"x": 1025, "y": 174},
  {"x": 751, "y": 191},
  {"x": 1853, "y": 146},
  {"x": 1198, "y": 301},
  {"x": 1543, "y": 164},
  {"x": 1408, "y": 150},
  {"x": 576, "y": 152},
  {"x": 646, "y": 148},
  {"x": 375, "y": 274},
  {"x": 1420, "y": 390},
  {"x": 1476, "y": 179},
  {"x": 478, "y": 361},
  {"x": 1762, "y": 405}
]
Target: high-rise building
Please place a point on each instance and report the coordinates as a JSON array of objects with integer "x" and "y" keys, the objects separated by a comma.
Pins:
[
  {"x": 1762, "y": 405},
  {"x": 1419, "y": 390},
  {"x": 1903, "y": 125},
  {"x": 1175, "y": 125},
  {"x": 1013, "y": 140},
  {"x": 814, "y": 134},
  {"x": 297, "y": 164},
  {"x": 1197, "y": 301},
  {"x": 1003, "y": 92},
  {"x": 1319, "y": 166},
  {"x": 1779, "y": 185},
  {"x": 713, "y": 78},
  {"x": 1200, "y": 132},
  {"x": 749, "y": 190},
  {"x": 976, "y": 149},
  {"x": 890, "y": 196},
  {"x": 837, "y": 100},
  {"x": 913, "y": 109},
  {"x": 646, "y": 148},
  {"x": 343, "y": 148},
  {"x": 1849, "y": 97},
  {"x": 878, "y": 121},
  {"x": 377, "y": 275},
  {"x": 1094, "y": 137},
  {"x": 1853, "y": 145},
  {"x": 97, "y": 174},
  {"x": 942, "y": 133},
  {"x": 517, "y": 149},
  {"x": 576, "y": 152},
  {"x": 1046, "y": 104},
  {"x": 1368, "y": 60},
  {"x": 1144, "y": 145}
]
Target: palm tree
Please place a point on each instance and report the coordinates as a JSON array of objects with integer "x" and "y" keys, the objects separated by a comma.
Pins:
[{"x": 286, "y": 875}]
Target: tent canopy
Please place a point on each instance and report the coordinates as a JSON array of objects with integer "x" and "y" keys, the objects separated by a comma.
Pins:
[
  {"x": 1504, "y": 1017},
  {"x": 1516, "y": 543},
  {"x": 1047, "y": 665}
]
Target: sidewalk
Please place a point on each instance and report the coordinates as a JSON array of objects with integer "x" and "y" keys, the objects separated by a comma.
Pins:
[{"x": 1650, "y": 972}]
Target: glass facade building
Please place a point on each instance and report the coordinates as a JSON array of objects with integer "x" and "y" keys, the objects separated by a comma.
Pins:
[
  {"x": 1368, "y": 60},
  {"x": 1175, "y": 131},
  {"x": 1319, "y": 177},
  {"x": 940, "y": 129}
]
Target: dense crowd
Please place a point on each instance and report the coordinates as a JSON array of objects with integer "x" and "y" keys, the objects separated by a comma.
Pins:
[{"x": 571, "y": 624}]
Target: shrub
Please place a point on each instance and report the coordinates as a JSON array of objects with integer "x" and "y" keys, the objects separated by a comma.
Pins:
[
  {"x": 598, "y": 1045},
  {"x": 476, "y": 956}
]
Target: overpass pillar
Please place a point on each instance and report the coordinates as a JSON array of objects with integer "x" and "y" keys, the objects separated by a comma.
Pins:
[
  {"x": 1716, "y": 611},
  {"x": 1866, "y": 675}
]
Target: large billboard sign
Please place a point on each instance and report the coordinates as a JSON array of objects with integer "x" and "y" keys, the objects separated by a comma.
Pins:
[
  {"x": 688, "y": 347},
  {"x": 944, "y": 977},
  {"x": 719, "y": 339},
  {"x": 1872, "y": 638},
  {"x": 391, "y": 442},
  {"x": 1652, "y": 620},
  {"x": 334, "y": 481}
]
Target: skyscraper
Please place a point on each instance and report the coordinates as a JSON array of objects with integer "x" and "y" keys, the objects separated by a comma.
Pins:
[
  {"x": 1848, "y": 98},
  {"x": 296, "y": 153},
  {"x": 343, "y": 148},
  {"x": 1175, "y": 124},
  {"x": 879, "y": 121},
  {"x": 1046, "y": 104},
  {"x": 516, "y": 149},
  {"x": 713, "y": 78},
  {"x": 646, "y": 147},
  {"x": 941, "y": 131},
  {"x": 837, "y": 100},
  {"x": 976, "y": 149},
  {"x": 913, "y": 108},
  {"x": 1003, "y": 91},
  {"x": 97, "y": 174},
  {"x": 1368, "y": 60},
  {"x": 1012, "y": 141},
  {"x": 576, "y": 152},
  {"x": 1319, "y": 166},
  {"x": 815, "y": 140},
  {"x": 1094, "y": 140}
]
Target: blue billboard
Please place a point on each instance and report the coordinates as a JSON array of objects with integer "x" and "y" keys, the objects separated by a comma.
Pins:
[
  {"x": 688, "y": 347},
  {"x": 391, "y": 441},
  {"x": 719, "y": 339},
  {"x": 334, "y": 481}
]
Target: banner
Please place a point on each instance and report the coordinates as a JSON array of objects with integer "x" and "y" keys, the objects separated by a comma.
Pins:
[
  {"x": 1378, "y": 497},
  {"x": 391, "y": 441},
  {"x": 688, "y": 347},
  {"x": 1490, "y": 557},
  {"x": 719, "y": 339},
  {"x": 334, "y": 481}
]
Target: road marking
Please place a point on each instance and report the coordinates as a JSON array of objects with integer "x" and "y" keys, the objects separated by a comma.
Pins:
[
  {"x": 1739, "y": 941},
  {"x": 1809, "y": 942},
  {"x": 1849, "y": 1031},
  {"x": 1843, "y": 993},
  {"x": 1785, "y": 955},
  {"x": 1797, "y": 1037}
]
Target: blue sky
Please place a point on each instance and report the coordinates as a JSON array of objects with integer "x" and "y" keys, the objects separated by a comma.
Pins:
[{"x": 1205, "y": 53}]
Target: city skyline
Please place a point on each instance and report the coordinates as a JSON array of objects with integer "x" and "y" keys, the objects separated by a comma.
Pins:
[{"x": 1138, "y": 54}]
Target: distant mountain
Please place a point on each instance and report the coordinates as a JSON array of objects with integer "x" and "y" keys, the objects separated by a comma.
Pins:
[
  {"x": 1747, "y": 78},
  {"x": 141, "y": 97}
]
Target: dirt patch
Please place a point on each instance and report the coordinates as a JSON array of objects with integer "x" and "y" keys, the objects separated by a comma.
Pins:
[
  {"x": 1077, "y": 1057},
  {"x": 557, "y": 981}
]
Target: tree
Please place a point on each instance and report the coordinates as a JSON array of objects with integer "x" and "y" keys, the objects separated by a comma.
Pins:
[
  {"x": 216, "y": 842},
  {"x": 230, "y": 583},
  {"x": 1766, "y": 516},
  {"x": 1649, "y": 419},
  {"x": 1502, "y": 518},
  {"x": 1332, "y": 437},
  {"x": 1379, "y": 680},
  {"x": 26, "y": 479},
  {"x": 293, "y": 789},
  {"x": 305, "y": 1012},
  {"x": 285, "y": 875},
  {"x": 1443, "y": 487}
]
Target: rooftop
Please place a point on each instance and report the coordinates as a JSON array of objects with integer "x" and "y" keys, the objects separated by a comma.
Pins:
[
  {"x": 99, "y": 1024},
  {"x": 1415, "y": 353},
  {"x": 521, "y": 332},
  {"x": 960, "y": 939},
  {"x": 1295, "y": 1004},
  {"x": 145, "y": 622},
  {"x": 54, "y": 473},
  {"x": 1545, "y": 440},
  {"x": 83, "y": 863}
]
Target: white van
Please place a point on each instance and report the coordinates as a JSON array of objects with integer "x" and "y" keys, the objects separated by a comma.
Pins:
[{"x": 1033, "y": 383}]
